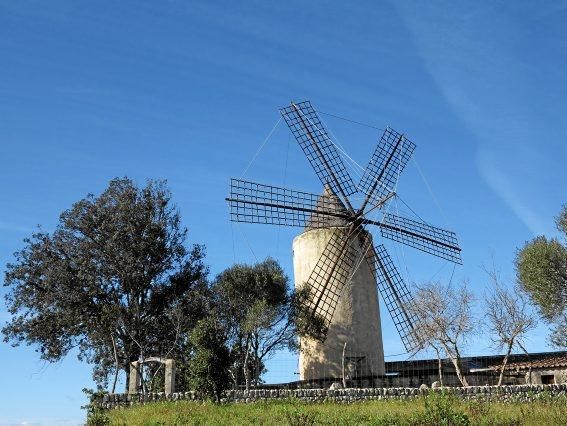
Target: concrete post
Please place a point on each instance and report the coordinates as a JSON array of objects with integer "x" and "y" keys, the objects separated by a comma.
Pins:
[
  {"x": 169, "y": 376},
  {"x": 134, "y": 383}
]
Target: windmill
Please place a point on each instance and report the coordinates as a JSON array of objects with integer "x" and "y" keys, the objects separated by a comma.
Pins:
[{"x": 332, "y": 254}]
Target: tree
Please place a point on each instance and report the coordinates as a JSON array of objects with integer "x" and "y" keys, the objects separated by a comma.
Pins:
[
  {"x": 445, "y": 320},
  {"x": 558, "y": 336},
  {"x": 508, "y": 318},
  {"x": 541, "y": 268},
  {"x": 114, "y": 280},
  {"x": 256, "y": 305},
  {"x": 210, "y": 362}
]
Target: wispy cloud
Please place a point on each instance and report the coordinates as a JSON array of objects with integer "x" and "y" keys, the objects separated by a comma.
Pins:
[
  {"x": 473, "y": 55},
  {"x": 508, "y": 191}
]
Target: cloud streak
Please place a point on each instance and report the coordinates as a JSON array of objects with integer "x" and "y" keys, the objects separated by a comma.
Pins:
[{"x": 474, "y": 58}]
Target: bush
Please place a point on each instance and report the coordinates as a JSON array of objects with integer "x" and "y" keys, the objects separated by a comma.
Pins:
[
  {"x": 95, "y": 415},
  {"x": 208, "y": 369},
  {"x": 441, "y": 408},
  {"x": 97, "y": 418}
]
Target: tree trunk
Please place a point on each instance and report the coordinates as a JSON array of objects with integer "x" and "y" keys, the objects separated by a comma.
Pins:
[
  {"x": 529, "y": 360},
  {"x": 245, "y": 366},
  {"x": 127, "y": 384},
  {"x": 233, "y": 375},
  {"x": 504, "y": 362},
  {"x": 439, "y": 366},
  {"x": 462, "y": 378},
  {"x": 257, "y": 361},
  {"x": 115, "y": 363},
  {"x": 456, "y": 360}
]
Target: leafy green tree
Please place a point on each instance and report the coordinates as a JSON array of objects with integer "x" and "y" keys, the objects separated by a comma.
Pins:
[
  {"x": 558, "y": 336},
  {"x": 256, "y": 305},
  {"x": 541, "y": 267},
  {"x": 114, "y": 280},
  {"x": 210, "y": 360}
]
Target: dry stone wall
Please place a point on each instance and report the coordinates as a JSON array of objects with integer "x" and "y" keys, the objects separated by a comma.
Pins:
[{"x": 516, "y": 393}]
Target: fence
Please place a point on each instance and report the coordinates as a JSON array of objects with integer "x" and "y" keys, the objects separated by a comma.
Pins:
[
  {"x": 360, "y": 370},
  {"x": 518, "y": 393}
]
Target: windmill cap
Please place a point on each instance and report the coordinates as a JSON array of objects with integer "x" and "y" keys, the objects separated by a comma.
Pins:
[{"x": 329, "y": 202}]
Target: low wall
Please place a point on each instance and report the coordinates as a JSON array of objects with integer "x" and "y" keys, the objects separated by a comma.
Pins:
[{"x": 512, "y": 393}]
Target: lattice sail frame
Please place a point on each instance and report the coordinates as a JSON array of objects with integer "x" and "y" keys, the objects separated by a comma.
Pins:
[
  {"x": 330, "y": 274},
  {"x": 306, "y": 127},
  {"x": 396, "y": 296},
  {"x": 258, "y": 203},
  {"x": 429, "y": 239},
  {"x": 385, "y": 166}
]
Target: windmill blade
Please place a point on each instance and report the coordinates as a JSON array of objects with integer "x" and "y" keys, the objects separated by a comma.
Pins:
[
  {"x": 395, "y": 294},
  {"x": 429, "y": 239},
  {"x": 389, "y": 159},
  {"x": 306, "y": 127},
  {"x": 257, "y": 203},
  {"x": 330, "y": 274}
]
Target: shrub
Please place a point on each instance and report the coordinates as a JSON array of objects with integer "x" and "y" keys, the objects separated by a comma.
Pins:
[{"x": 441, "y": 408}]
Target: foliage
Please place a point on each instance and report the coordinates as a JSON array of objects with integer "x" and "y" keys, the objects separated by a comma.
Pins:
[
  {"x": 558, "y": 336},
  {"x": 444, "y": 320},
  {"x": 98, "y": 418},
  {"x": 306, "y": 322},
  {"x": 114, "y": 280},
  {"x": 541, "y": 268},
  {"x": 209, "y": 365},
  {"x": 442, "y": 409},
  {"x": 255, "y": 305},
  {"x": 95, "y": 415}
]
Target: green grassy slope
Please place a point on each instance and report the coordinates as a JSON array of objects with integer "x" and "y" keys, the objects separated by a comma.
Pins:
[{"x": 425, "y": 411}]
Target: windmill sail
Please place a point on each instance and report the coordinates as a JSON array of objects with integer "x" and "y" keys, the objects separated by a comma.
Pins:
[
  {"x": 387, "y": 162},
  {"x": 330, "y": 275},
  {"x": 395, "y": 295},
  {"x": 258, "y": 203},
  {"x": 427, "y": 238},
  {"x": 306, "y": 127}
]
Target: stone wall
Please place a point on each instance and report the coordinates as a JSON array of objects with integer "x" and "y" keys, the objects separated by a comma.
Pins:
[{"x": 516, "y": 393}]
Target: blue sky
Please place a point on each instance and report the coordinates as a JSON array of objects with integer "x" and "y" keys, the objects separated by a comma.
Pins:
[{"x": 188, "y": 91}]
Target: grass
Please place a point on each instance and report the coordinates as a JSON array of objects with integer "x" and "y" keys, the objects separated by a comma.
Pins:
[{"x": 436, "y": 409}]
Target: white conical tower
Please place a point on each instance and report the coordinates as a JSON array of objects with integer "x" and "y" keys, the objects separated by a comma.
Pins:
[{"x": 356, "y": 320}]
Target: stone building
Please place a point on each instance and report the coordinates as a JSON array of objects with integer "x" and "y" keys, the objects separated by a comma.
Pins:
[
  {"x": 548, "y": 368},
  {"x": 540, "y": 368},
  {"x": 356, "y": 319}
]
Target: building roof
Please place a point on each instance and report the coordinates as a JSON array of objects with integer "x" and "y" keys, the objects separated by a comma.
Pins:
[
  {"x": 552, "y": 362},
  {"x": 477, "y": 364}
]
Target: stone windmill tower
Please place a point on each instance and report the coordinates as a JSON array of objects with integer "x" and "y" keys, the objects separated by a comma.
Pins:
[{"x": 335, "y": 257}]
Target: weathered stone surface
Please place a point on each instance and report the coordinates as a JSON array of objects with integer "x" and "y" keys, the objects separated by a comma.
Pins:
[
  {"x": 355, "y": 321},
  {"x": 521, "y": 393}
]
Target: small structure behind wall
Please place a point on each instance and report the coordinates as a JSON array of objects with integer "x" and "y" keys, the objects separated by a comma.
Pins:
[{"x": 136, "y": 379}]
